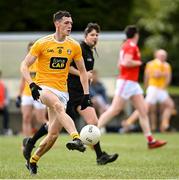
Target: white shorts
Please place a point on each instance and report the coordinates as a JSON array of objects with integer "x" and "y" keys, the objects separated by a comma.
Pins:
[
  {"x": 28, "y": 100},
  {"x": 63, "y": 96},
  {"x": 154, "y": 95},
  {"x": 126, "y": 88}
]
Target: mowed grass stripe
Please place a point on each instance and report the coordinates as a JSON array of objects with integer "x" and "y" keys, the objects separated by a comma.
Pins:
[{"x": 135, "y": 160}]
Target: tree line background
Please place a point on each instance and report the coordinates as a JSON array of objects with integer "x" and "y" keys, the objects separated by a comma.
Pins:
[{"x": 156, "y": 19}]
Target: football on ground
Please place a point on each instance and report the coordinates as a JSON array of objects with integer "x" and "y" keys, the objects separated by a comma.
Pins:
[{"x": 90, "y": 134}]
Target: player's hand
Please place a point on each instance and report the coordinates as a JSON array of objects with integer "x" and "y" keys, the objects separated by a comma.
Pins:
[
  {"x": 35, "y": 90},
  {"x": 18, "y": 101},
  {"x": 86, "y": 101}
]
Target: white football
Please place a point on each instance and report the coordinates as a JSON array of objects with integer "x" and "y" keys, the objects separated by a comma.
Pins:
[{"x": 90, "y": 134}]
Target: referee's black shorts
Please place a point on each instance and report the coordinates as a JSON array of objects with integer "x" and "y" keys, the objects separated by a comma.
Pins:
[{"x": 75, "y": 98}]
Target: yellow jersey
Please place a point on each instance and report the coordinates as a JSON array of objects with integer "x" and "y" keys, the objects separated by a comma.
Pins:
[
  {"x": 32, "y": 70},
  {"x": 157, "y": 66},
  {"x": 54, "y": 59}
]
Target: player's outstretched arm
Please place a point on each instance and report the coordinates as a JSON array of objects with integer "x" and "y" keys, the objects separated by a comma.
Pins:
[{"x": 29, "y": 60}]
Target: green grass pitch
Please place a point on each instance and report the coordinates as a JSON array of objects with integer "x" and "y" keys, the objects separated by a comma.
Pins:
[{"x": 135, "y": 160}]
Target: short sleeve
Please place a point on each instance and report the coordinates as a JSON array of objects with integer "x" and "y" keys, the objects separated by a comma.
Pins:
[
  {"x": 35, "y": 49},
  {"x": 78, "y": 52}
]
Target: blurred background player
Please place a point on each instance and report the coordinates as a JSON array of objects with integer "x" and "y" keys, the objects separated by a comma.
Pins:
[
  {"x": 29, "y": 106},
  {"x": 4, "y": 100},
  {"x": 98, "y": 94},
  {"x": 76, "y": 91},
  {"x": 156, "y": 79},
  {"x": 128, "y": 87}
]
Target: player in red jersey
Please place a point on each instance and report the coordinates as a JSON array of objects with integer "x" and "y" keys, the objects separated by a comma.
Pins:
[{"x": 127, "y": 86}]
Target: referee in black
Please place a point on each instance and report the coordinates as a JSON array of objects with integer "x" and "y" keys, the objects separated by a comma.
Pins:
[{"x": 88, "y": 46}]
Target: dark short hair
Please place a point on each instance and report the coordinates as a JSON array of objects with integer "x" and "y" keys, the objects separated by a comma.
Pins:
[
  {"x": 30, "y": 44},
  {"x": 90, "y": 27},
  {"x": 60, "y": 14},
  {"x": 130, "y": 31}
]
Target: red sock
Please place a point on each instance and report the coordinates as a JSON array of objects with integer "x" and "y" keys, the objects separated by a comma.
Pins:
[{"x": 150, "y": 139}]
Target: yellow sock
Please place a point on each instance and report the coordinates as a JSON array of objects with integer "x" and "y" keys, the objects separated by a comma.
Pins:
[
  {"x": 34, "y": 158},
  {"x": 91, "y": 146},
  {"x": 75, "y": 135}
]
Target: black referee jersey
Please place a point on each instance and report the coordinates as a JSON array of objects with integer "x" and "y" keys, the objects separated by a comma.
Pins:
[
  {"x": 74, "y": 83},
  {"x": 75, "y": 88}
]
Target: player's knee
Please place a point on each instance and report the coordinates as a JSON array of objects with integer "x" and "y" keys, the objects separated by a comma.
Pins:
[
  {"x": 116, "y": 110},
  {"x": 146, "y": 111},
  {"x": 169, "y": 105},
  {"x": 143, "y": 115},
  {"x": 58, "y": 107}
]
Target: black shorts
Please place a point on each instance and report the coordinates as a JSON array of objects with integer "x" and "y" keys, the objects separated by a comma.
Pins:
[{"x": 75, "y": 98}]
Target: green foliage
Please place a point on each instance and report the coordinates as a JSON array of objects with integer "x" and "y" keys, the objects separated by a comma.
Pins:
[
  {"x": 24, "y": 15},
  {"x": 135, "y": 160},
  {"x": 173, "y": 90}
]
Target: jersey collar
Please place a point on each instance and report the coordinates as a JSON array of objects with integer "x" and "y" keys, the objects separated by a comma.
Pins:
[{"x": 60, "y": 42}]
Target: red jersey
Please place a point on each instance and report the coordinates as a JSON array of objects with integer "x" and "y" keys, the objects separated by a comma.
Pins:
[
  {"x": 129, "y": 73},
  {"x": 2, "y": 94}
]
